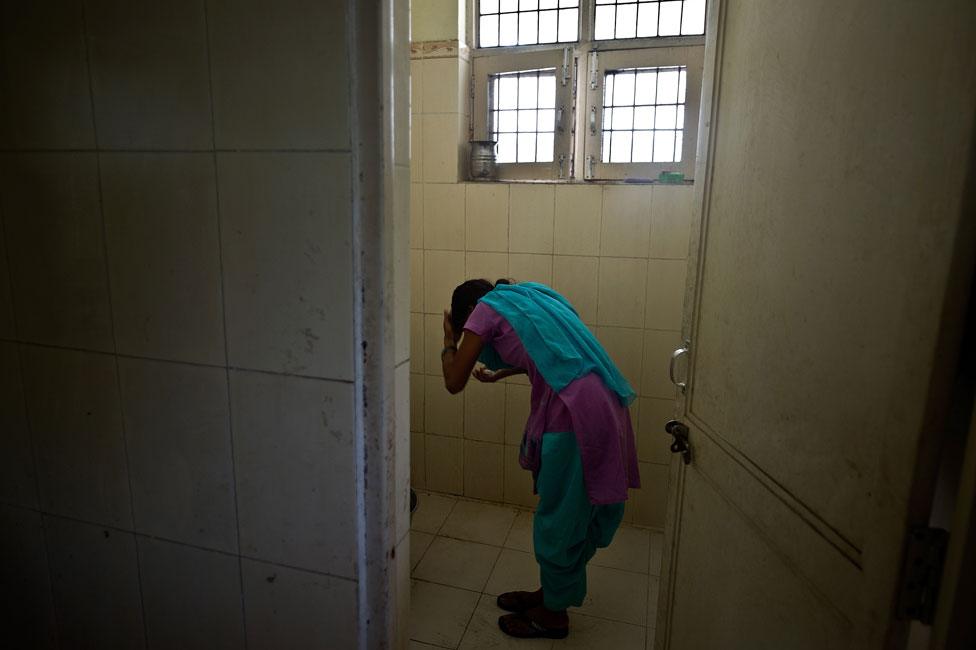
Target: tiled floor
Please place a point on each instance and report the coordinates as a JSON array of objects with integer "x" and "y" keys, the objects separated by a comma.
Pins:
[{"x": 464, "y": 553}]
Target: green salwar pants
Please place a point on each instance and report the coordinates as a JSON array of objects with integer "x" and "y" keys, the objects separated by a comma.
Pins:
[{"x": 568, "y": 528}]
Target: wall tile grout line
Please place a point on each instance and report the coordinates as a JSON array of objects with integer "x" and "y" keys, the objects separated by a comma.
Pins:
[
  {"x": 209, "y": 150},
  {"x": 597, "y": 325},
  {"x": 647, "y": 606},
  {"x": 30, "y": 432},
  {"x": 637, "y": 258},
  {"x": 111, "y": 310},
  {"x": 223, "y": 316},
  {"x": 543, "y": 183},
  {"x": 505, "y": 444},
  {"x": 423, "y": 303},
  {"x": 168, "y": 540},
  {"x": 196, "y": 364},
  {"x": 50, "y": 570},
  {"x": 516, "y": 506},
  {"x": 503, "y": 547},
  {"x": 631, "y": 328}
]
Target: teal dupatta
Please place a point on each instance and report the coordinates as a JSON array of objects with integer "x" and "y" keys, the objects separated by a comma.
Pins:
[{"x": 562, "y": 348}]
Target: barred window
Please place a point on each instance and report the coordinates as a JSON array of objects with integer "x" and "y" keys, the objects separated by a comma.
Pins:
[
  {"x": 527, "y": 22},
  {"x": 648, "y": 18},
  {"x": 643, "y": 114},
  {"x": 591, "y": 89},
  {"x": 523, "y": 115}
]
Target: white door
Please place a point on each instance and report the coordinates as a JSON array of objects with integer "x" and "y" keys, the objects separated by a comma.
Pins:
[{"x": 833, "y": 161}]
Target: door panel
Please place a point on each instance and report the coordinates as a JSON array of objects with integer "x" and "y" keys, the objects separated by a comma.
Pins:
[
  {"x": 816, "y": 556},
  {"x": 818, "y": 244},
  {"x": 818, "y": 298},
  {"x": 746, "y": 595}
]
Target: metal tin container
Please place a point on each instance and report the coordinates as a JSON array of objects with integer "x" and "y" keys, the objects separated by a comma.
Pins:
[{"x": 482, "y": 160}]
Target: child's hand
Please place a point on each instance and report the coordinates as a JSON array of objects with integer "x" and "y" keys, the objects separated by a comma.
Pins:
[
  {"x": 450, "y": 337},
  {"x": 487, "y": 376}
]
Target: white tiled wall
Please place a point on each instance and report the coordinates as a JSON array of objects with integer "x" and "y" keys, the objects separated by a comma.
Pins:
[
  {"x": 177, "y": 458},
  {"x": 67, "y": 304},
  {"x": 434, "y": 20},
  {"x": 161, "y": 227},
  {"x": 617, "y": 252}
]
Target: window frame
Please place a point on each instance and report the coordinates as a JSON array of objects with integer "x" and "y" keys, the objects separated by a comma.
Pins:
[
  {"x": 486, "y": 66},
  {"x": 575, "y": 143},
  {"x": 474, "y": 21},
  {"x": 692, "y": 58}
]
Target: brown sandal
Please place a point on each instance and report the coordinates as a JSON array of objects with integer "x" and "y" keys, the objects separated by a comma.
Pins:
[
  {"x": 521, "y": 626},
  {"x": 518, "y": 601}
]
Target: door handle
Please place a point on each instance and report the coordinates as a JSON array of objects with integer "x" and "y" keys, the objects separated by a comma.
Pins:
[
  {"x": 679, "y": 431},
  {"x": 677, "y": 354}
]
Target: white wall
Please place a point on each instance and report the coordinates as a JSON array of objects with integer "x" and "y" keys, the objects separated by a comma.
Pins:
[{"x": 181, "y": 438}]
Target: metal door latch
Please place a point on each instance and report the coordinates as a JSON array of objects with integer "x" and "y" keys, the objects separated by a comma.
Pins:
[{"x": 679, "y": 432}]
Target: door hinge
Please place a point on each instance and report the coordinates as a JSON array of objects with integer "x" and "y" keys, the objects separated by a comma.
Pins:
[
  {"x": 567, "y": 57},
  {"x": 575, "y": 75},
  {"x": 921, "y": 573},
  {"x": 594, "y": 71},
  {"x": 588, "y": 166}
]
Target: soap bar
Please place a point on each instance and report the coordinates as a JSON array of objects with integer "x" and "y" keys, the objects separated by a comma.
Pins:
[{"x": 671, "y": 177}]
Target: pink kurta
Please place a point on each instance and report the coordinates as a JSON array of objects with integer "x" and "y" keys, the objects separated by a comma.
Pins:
[{"x": 586, "y": 406}]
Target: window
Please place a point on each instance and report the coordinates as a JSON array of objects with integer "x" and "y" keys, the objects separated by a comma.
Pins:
[
  {"x": 648, "y": 18},
  {"x": 524, "y": 103},
  {"x": 527, "y": 22},
  {"x": 523, "y": 115},
  {"x": 592, "y": 89},
  {"x": 643, "y": 112}
]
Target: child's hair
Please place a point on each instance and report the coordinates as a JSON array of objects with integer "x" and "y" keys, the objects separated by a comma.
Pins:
[{"x": 466, "y": 296}]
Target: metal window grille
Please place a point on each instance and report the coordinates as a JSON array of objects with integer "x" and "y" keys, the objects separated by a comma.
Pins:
[
  {"x": 523, "y": 115},
  {"x": 527, "y": 22},
  {"x": 615, "y": 19},
  {"x": 643, "y": 114}
]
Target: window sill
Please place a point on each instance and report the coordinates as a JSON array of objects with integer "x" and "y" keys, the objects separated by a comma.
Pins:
[{"x": 580, "y": 181}]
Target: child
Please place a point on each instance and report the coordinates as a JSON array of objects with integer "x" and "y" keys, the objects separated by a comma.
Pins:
[{"x": 578, "y": 441}]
